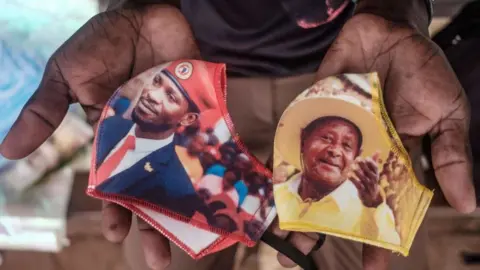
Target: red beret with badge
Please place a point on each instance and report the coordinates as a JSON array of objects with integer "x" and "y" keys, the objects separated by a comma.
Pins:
[{"x": 197, "y": 87}]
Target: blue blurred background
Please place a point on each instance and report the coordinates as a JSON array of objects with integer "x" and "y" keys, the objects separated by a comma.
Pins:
[{"x": 30, "y": 31}]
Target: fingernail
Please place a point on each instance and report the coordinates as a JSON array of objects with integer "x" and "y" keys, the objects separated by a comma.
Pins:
[
  {"x": 113, "y": 226},
  {"x": 467, "y": 208}
]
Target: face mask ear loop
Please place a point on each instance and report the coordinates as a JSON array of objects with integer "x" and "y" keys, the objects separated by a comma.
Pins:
[{"x": 306, "y": 262}]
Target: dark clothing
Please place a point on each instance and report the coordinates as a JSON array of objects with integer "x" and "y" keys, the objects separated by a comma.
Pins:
[
  {"x": 271, "y": 38},
  {"x": 166, "y": 185}
]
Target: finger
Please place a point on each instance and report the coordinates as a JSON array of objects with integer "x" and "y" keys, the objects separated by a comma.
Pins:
[
  {"x": 40, "y": 117},
  {"x": 358, "y": 184},
  {"x": 452, "y": 162},
  {"x": 375, "y": 258},
  {"x": 155, "y": 246},
  {"x": 385, "y": 169},
  {"x": 280, "y": 174},
  {"x": 361, "y": 175},
  {"x": 335, "y": 61},
  {"x": 372, "y": 164},
  {"x": 369, "y": 168},
  {"x": 275, "y": 228},
  {"x": 403, "y": 169},
  {"x": 368, "y": 185},
  {"x": 391, "y": 155},
  {"x": 394, "y": 163},
  {"x": 304, "y": 242},
  {"x": 390, "y": 158},
  {"x": 116, "y": 222}
]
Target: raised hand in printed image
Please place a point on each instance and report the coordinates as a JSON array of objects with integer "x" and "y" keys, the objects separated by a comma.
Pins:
[
  {"x": 338, "y": 187},
  {"x": 138, "y": 157},
  {"x": 338, "y": 168},
  {"x": 396, "y": 181}
]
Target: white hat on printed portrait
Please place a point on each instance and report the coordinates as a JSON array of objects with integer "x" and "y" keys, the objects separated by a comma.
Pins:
[{"x": 302, "y": 112}]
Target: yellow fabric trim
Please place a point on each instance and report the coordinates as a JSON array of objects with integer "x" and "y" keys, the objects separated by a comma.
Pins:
[{"x": 411, "y": 200}]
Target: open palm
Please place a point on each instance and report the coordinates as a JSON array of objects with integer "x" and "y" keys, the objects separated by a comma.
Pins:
[{"x": 422, "y": 96}]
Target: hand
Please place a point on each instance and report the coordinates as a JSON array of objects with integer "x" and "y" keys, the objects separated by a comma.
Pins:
[
  {"x": 395, "y": 173},
  {"x": 303, "y": 242},
  {"x": 280, "y": 174},
  {"x": 366, "y": 178},
  {"x": 107, "y": 51},
  {"x": 422, "y": 96}
]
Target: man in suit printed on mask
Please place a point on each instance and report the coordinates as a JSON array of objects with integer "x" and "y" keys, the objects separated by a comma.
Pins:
[{"x": 138, "y": 157}]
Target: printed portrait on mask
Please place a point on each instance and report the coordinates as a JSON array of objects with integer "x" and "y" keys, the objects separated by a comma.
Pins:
[
  {"x": 337, "y": 170},
  {"x": 165, "y": 147}
]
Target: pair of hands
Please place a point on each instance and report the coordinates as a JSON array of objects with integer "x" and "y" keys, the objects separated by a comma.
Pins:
[{"x": 421, "y": 92}]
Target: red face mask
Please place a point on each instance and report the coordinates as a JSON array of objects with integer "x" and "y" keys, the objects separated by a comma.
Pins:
[{"x": 165, "y": 149}]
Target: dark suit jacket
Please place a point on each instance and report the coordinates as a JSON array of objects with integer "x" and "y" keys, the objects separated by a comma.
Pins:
[{"x": 168, "y": 185}]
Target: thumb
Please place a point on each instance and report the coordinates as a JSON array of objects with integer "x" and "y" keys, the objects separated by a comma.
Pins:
[
  {"x": 334, "y": 62},
  {"x": 375, "y": 258},
  {"x": 40, "y": 116}
]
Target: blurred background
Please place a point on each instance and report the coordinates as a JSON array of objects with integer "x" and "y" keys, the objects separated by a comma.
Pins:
[{"x": 46, "y": 220}]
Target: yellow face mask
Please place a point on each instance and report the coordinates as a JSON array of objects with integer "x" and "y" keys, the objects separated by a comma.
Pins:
[{"x": 341, "y": 169}]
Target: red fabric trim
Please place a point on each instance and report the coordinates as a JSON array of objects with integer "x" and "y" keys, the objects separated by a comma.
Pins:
[
  {"x": 220, "y": 85},
  {"x": 221, "y": 243},
  {"x": 195, "y": 222}
]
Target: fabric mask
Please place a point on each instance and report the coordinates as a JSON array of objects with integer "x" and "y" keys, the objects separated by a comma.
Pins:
[
  {"x": 313, "y": 13},
  {"x": 166, "y": 149},
  {"x": 341, "y": 169}
]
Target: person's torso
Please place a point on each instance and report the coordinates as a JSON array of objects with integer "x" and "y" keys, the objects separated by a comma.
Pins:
[
  {"x": 191, "y": 163},
  {"x": 145, "y": 168},
  {"x": 266, "y": 38},
  {"x": 340, "y": 212},
  {"x": 331, "y": 213},
  {"x": 140, "y": 152},
  {"x": 211, "y": 182}
]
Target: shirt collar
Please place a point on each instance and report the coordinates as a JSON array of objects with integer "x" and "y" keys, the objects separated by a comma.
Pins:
[
  {"x": 149, "y": 145},
  {"x": 342, "y": 195}
]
